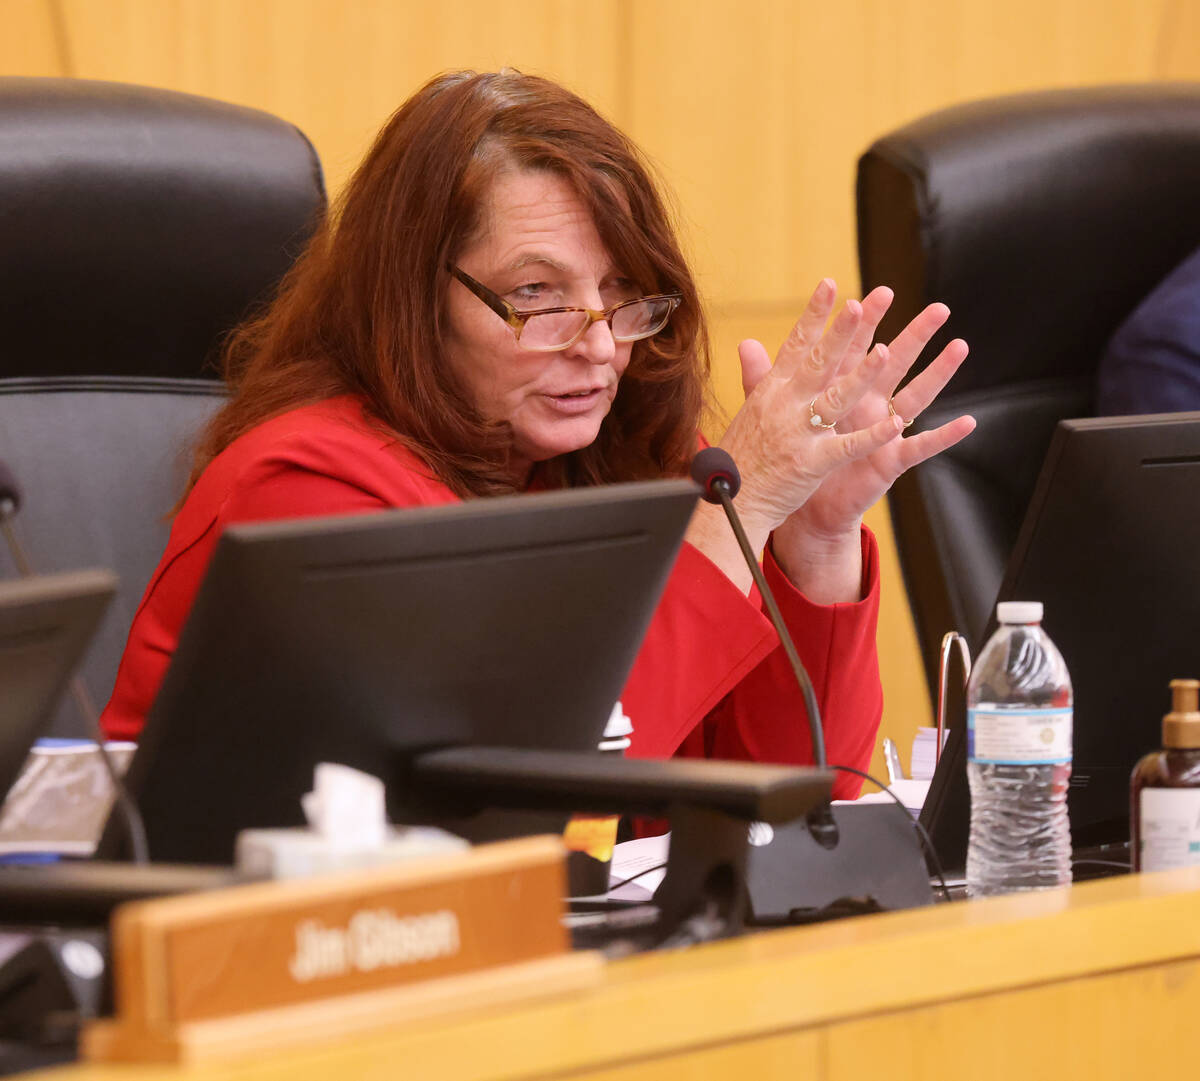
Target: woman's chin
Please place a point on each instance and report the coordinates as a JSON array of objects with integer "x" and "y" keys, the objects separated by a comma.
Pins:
[{"x": 564, "y": 438}]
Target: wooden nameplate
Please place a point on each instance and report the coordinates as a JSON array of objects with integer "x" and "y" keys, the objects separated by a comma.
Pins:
[{"x": 274, "y": 964}]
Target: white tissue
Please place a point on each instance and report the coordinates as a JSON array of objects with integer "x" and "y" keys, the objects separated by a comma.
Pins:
[
  {"x": 346, "y": 807},
  {"x": 348, "y": 830}
]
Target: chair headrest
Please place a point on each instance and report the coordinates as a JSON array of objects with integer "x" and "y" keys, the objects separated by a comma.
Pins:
[
  {"x": 140, "y": 225},
  {"x": 1041, "y": 219}
]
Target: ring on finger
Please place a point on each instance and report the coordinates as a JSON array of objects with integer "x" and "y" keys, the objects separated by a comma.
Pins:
[
  {"x": 815, "y": 418},
  {"x": 907, "y": 422}
]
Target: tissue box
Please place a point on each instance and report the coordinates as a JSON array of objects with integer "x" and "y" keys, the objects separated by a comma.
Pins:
[{"x": 299, "y": 853}]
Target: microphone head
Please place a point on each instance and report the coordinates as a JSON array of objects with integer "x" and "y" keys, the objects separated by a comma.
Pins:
[
  {"x": 10, "y": 492},
  {"x": 713, "y": 465}
]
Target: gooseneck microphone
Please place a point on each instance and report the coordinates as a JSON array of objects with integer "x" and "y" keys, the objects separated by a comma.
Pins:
[
  {"x": 864, "y": 857},
  {"x": 715, "y": 472},
  {"x": 10, "y": 503}
]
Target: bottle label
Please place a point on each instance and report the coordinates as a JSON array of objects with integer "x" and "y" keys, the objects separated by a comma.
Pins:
[
  {"x": 1019, "y": 737},
  {"x": 594, "y": 834},
  {"x": 1170, "y": 828}
]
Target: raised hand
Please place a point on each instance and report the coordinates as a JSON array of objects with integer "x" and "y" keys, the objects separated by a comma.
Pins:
[
  {"x": 783, "y": 455},
  {"x": 817, "y": 440},
  {"x": 835, "y": 510}
]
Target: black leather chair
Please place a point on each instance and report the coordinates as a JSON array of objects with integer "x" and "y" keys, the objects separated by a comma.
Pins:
[
  {"x": 1041, "y": 219},
  {"x": 139, "y": 227}
]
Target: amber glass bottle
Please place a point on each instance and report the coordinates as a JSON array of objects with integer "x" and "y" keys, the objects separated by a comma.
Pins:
[
  {"x": 590, "y": 839},
  {"x": 1164, "y": 791}
]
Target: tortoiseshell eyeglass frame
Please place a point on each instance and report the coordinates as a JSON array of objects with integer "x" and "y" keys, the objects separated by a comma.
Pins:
[{"x": 516, "y": 320}]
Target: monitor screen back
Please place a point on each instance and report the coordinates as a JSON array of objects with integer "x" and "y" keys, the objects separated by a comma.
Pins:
[
  {"x": 511, "y": 621},
  {"x": 1109, "y": 545},
  {"x": 46, "y": 623}
]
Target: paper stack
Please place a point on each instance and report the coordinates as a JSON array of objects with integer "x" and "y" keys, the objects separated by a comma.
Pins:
[{"x": 923, "y": 757}]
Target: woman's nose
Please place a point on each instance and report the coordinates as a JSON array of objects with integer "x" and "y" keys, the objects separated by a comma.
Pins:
[{"x": 597, "y": 345}]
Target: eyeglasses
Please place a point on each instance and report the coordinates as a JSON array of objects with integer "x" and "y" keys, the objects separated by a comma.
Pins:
[{"x": 550, "y": 329}]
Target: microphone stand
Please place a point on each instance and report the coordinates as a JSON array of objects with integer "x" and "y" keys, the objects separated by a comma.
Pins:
[
  {"x": 863, "y": 858},
  {"x": 820, "y": 819},
  {"x": 725, "y": 493}
]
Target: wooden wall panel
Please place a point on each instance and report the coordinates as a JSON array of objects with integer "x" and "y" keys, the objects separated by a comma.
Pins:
[
  {"x": 30, "y": 38},
  {"x": 337, "y": 69},
  {"x": 758, "y": 119},
  {"x": 754, "y": 113},
  {"x": 1177, "y": 54}
]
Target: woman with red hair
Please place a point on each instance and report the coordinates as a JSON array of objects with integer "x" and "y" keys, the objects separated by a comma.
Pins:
[{"x": 498, "y": 303}]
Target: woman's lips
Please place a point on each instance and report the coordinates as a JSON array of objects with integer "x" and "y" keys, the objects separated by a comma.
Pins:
[{"x": 574, "y": 402}]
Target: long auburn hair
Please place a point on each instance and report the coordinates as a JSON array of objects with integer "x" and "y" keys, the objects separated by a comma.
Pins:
[{"x": 362, "y": 311}]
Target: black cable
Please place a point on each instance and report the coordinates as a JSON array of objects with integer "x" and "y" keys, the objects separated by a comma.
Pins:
[
  {"x": 926, "y": 841},
  {"x": 135, "y": 826},
  {"x": 705, "y": 926}
]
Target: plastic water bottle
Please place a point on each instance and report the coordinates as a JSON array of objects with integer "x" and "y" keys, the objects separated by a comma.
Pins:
[{"x": 1018, "y": 758}]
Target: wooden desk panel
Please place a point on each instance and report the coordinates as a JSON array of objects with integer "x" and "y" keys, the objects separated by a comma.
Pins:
[
  {"x": 1089, "y": 982},
  {"x": 1137, "y": 1023},
  {"x": 788, "y": 1057}
]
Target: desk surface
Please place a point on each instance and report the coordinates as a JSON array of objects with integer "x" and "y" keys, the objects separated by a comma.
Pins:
[{"x": 1098, "y": 981}]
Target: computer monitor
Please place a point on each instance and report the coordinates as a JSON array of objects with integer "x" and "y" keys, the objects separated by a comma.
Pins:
[
  {"x": 46, "y": 623},
  {"x": 1111, "y": 545},
  {"x": 510, "y": 621}
]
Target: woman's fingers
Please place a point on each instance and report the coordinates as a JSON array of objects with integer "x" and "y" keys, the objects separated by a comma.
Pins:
[
  {"x": 874, "y": 307},
  {"x": 841, "y": 396},
  {"x": 907, "y": 345},
  {"x": 905, "y": 350},
  {"x": 922, "y": 390},
  {"x": 771, "y": 494},
  {"x": 820, "y": 408},
  {"x": 810, "y": 326},
  {"x": 866, "y": 441},
  {"x": 756, "y": 362},
  {"x": 812, "y": 353},
  {"x": 784, "y": 459},
  {"x": 924, "y": 445}
]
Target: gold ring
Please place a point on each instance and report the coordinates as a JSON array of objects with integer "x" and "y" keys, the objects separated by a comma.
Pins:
[
  {"x": 906, "y": 421},
  {"x": 815, "y": 418}
]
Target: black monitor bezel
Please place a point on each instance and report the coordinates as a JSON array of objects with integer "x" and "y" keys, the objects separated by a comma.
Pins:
[
  {"x": 1093, "y": 447},
  {"x": 614, "y": 545},
  {"x": 46, "y": 623}
]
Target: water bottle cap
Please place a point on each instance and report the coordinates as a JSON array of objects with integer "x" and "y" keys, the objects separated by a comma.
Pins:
[
  {"x": 1019, "y": 612},
  {"x": 618, "y": 724}
]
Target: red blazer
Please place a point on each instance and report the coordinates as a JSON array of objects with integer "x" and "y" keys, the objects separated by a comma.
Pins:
[{"x": 710, "y": 680}]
